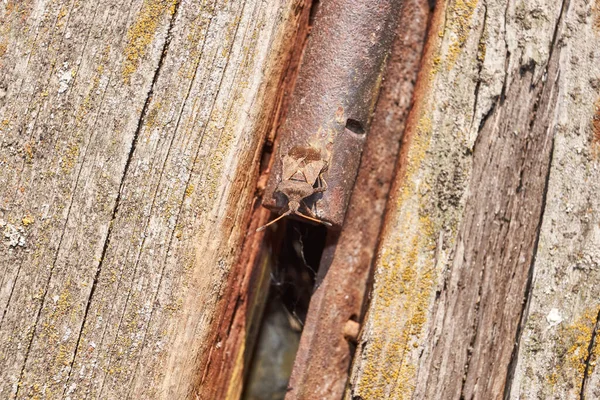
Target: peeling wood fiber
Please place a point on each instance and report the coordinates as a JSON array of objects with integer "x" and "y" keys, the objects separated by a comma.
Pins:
[{"x": 130, "y": 136}]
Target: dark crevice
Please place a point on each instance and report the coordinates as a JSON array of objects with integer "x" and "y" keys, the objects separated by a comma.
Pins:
[
  {"x": 520, "y": 185},
  {"x": 559, "y": 22},
  {"x": 295, "y": 272},
  {"x": 293, "y": 279},
  {"x": 122, "y": 182},
  {"x": 506, "y": 59},
  {"x": 505, "y": 81},
  {"x": 314, "y": 7},
  {"x": 528, "y": 67},
  {"x": 479, "y": 69},
  {"x": 588, "y": 359},
  {"x": 294, "y": 268}
]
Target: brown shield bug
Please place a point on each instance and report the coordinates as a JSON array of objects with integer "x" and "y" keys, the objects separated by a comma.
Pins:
[{"x": 302, "y": 177}]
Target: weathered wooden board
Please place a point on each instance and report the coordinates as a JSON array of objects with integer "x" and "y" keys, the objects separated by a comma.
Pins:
[
  {"x": 324, "y": 357},
  {"x": 497, "y": 162},
  {"x": 239, "y": 315},
  {"x": 559, "y": 349},
  {"x": 130, "y": 135}
]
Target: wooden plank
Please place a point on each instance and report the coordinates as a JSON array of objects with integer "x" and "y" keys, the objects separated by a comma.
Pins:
[
  {"x": 460, "y": 236},
  {"x": 345, "y": 267},
  {"x": 131, "y": 133},
  {"x": 240, "y": 311},
  {"x": 70, "y": 122},
  {"x": 559, "y": 348}
]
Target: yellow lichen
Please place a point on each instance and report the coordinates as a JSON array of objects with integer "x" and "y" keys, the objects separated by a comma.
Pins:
[
  {"x": 553, "y": 379},
  {"x": 404, "y": 285},
  {"x": 595, "y": 126},
  {"x": 27, "y": 220},
  {"x": 3, "y": 48},
  {"x": 70, "y": 158},
  {"x": 142, "y": 32},
  {"x": 153, "y": 115},
  {"x": 461, "y": 13},
  {"x": 435, "y": 67},
  {"x": 481, "y": 48},
  {"x": 60, "y": 18},
  {"x": 578, "y": 336},
  {"x": 28, "y": 149}
]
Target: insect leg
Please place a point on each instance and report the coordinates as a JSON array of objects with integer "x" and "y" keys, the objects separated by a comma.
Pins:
[
  {"x": 308, "y": 210},
  {"x": 322, "y": 184}
]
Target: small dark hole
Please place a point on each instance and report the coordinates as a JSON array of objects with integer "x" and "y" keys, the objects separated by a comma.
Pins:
[{"x": 355, "y": 126}]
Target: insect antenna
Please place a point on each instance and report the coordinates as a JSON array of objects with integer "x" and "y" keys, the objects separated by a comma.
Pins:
[
  {"x": 313, "y": 219},
  {"x": 285, "y": 214}
]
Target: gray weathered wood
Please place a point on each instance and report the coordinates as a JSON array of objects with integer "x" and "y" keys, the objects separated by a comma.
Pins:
[
  {"x": 557, "y": 353},
  {"x": 494, "y": 203},
  {"x": 131, "y": 132}
]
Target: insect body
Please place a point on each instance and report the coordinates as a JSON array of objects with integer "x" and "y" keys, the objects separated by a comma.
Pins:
[{"x": 303, "y": 169}]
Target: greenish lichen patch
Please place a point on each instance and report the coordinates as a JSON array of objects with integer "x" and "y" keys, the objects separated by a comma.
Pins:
[{"x": 404, "y": 282}]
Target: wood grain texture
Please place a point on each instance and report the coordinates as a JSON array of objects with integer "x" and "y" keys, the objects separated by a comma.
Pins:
[
  {"x": 460, "y": 240},
  {"x": 559, "y": 347},
  {"x": 345, "y": 267},
  {"x": 131, "y": 132}
]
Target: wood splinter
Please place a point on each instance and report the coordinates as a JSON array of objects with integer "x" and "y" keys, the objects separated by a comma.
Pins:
[{"x": 303, "y": 169}]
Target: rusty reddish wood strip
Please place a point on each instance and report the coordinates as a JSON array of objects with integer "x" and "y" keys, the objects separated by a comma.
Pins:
[
  {"x": 332, "y": 104},
  {"x": 222, "y": 371},
  {"x": 344, "y": 275}
]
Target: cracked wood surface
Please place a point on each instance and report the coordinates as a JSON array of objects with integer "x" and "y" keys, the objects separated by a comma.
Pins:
[
  {"x": 344, "y": 272},
  {"x": 559, "y": 349},
  {"x": 486, "y": 280},
  {"x": 130, "y": 138}
]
